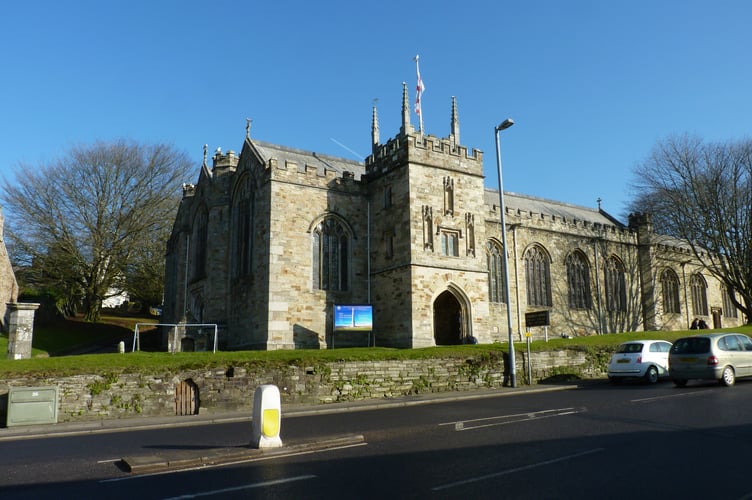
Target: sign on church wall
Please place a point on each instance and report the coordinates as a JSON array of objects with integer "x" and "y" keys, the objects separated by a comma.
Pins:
[{"x": 353, "y": 318}]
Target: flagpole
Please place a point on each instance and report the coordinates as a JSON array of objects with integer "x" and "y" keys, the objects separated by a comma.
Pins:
[{"x": 419, "y": 94}]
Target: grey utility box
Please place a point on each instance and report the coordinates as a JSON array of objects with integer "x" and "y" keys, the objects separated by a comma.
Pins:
[{"x": 32, "y": 405}]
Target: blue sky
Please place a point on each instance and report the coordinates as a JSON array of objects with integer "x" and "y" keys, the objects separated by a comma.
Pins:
[{"x": 591, "y": 85}]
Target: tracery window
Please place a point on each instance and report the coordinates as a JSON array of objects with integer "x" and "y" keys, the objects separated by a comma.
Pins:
[
  {"x": 698, "y": 287},
  {"x": 670, "y": 291},
  {"x": 615, "y": 284},
  {"x": 243, "y": 206},
  {"x": 578, "y": 281},
  {"x": 729, "y": 309},
  {"x": 537, "y": 277},
  {"x": 494, "y": 259},
  {"x": 331, "y": 255},
  {"x": 199, "y": 242}
]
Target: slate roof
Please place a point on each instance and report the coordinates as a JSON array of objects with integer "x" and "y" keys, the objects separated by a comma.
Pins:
[
  {"x": 513, "y": 201},
  {"x": 531, "y": 204},
  {"x": 316, "y": 160}
]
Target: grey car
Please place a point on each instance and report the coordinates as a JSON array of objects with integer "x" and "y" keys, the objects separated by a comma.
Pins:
[{"x": 718, "y": 356}]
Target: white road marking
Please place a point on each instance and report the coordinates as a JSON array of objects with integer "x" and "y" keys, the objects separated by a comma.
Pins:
[
  {"x": 516, "y": 469},
  {"x": 670, "y": 396},
  {"x": 480, "y": 423},
  {"x": 241, "y": 488}
]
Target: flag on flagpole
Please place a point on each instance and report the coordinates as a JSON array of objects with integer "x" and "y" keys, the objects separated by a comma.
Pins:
[{"x": 419, "y": 94}]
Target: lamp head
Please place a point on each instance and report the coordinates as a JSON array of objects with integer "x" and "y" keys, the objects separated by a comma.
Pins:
[{"x": 505, "y": 124}]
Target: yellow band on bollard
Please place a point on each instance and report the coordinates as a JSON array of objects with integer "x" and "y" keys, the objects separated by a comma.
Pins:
[{"x": 270, "y": 422}]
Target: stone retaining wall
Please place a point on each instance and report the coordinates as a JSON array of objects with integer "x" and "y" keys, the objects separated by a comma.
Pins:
[{"x": 105, "y": 396}]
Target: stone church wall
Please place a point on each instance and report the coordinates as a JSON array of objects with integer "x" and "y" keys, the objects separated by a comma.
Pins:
[
  {"x": 390, "y": 251},
  {"x": 409, "y": 195},
  {"x": 300, "y": 314}
]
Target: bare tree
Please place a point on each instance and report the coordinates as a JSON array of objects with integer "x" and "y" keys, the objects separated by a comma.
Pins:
[
  {"x": 85, "y": 217},
  {"x": 701, "y": 193},
  {"x": 145, "y": 271}
]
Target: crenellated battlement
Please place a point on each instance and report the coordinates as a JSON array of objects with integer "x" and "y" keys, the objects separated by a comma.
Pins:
[
  {"x": 225, "y": 160},
  {"x": 595, "y": 229},
  {"x": 425, "y": 149},
  {"x": 555, "y": 216},
  {"x": 318, "y": 170},
  {"x": 189, "y": 190},
  {"x": 295, "y": 165}
]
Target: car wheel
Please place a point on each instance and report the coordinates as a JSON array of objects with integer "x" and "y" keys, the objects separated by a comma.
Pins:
[
  {"x": 680, "y": 382},
  {"x": 728, "y": 378},
  {"x": 651, "y": 376}
]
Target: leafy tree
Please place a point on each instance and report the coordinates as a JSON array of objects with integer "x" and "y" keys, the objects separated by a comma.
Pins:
[
  {"x": 701, "y": 193},
  {"x": 84, "y": 221}
]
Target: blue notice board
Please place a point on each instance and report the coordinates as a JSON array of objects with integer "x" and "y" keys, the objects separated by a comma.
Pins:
[{"x": 354, "y": 318}]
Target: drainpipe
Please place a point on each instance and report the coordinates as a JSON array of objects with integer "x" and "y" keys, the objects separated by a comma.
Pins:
[{"x": 684, "y": 285}]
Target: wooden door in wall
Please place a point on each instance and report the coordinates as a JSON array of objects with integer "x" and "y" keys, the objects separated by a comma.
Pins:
[
  {"x": 716, "y": 313},
  {"x": 186, "y": 398}
]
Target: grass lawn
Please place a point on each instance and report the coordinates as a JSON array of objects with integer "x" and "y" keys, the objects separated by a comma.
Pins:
[
  {"x": 50, "y": 341},
  {"x": 67, "y": 334}
]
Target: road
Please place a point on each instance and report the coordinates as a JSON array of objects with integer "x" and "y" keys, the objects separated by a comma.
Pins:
[{"x": 599, "y": 441}]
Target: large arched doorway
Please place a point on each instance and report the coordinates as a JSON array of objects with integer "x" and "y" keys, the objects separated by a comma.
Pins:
[{"x": 447, "y": 320}]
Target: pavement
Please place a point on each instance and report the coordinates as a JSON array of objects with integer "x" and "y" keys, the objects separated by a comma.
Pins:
[{"x": 181, "y": 459}]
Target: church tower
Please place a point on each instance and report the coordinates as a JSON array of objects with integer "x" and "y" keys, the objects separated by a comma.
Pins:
[{"x": 428, "y": 265}]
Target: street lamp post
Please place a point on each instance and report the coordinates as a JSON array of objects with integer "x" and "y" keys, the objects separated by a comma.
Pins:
[{"x": 512, "y": 368}]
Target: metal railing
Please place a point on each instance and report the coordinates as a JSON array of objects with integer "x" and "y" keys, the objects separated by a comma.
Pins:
[{"x": 172, "y": 346}]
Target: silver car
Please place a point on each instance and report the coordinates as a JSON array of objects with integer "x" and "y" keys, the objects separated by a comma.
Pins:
[
  {"x": 646, "y": 359},
  {"x": 716, "y": 356}
]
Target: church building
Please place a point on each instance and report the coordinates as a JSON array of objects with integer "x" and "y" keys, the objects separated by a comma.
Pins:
[{"x": 269, "y": 242}]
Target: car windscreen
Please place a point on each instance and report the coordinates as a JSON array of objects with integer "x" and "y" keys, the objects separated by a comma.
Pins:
[{"x": 697, "y": 345}]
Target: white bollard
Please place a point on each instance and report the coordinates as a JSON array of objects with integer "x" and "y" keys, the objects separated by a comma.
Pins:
[
  {"x": 121, "y": 347},
  {"x": 267, "y": 417}
]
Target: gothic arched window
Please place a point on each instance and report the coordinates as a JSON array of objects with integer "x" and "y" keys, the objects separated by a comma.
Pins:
[
  {"x": 578, "y": 281},
  {"x": 331, "y": 255},
  {"x": 243, "y": 206},
  {"x": 538, "y": 277},
  {"x": 729, "y": 309},
  {"x": 670, "y": 291},
  {"x": 496, "y": 287},
  {"x": 698, "y": 286},
  {"x": 199, "y": 242},
  {"x": 616, "y": 286}
]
